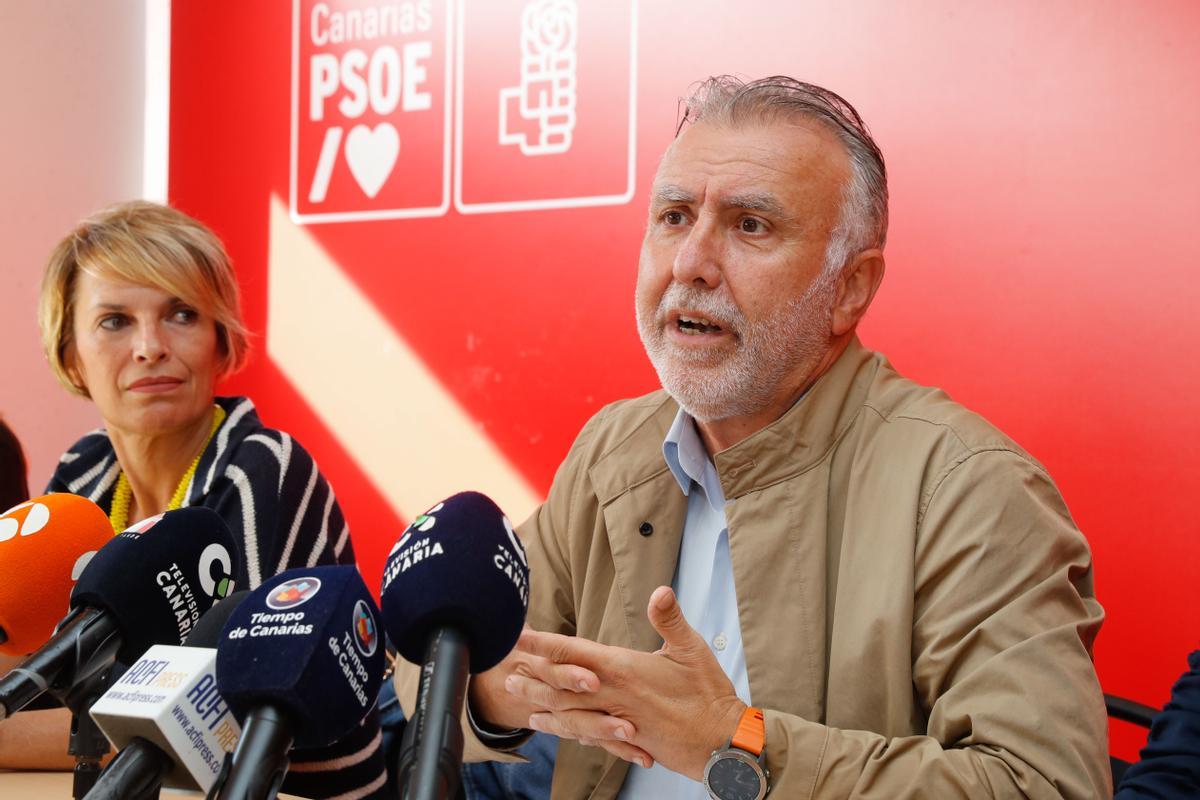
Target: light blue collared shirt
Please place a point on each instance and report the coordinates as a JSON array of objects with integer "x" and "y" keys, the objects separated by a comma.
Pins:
[{"x": 704, "y": 585}]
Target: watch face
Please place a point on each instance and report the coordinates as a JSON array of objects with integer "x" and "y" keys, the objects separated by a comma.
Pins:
[{"x": 732, "y": 779}]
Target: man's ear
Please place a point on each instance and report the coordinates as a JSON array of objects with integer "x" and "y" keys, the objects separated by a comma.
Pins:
[{"x": 856, "y": 288}]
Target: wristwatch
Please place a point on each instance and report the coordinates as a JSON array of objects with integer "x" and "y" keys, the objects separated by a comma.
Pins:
[{"x": 739, "y": 771}]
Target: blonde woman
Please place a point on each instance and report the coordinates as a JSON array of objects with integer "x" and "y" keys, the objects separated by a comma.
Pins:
[{"x": 139, "y": 313}]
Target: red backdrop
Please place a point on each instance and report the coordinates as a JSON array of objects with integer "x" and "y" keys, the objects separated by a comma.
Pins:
[{"x": 1042, "y": 167}]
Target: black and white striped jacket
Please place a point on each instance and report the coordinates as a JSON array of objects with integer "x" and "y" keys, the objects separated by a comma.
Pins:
[
  {"x": 268, "y": 489},
  {"x": 262, "y": 482}
]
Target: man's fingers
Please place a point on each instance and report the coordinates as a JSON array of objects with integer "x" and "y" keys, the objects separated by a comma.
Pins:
[
  {"x": 622, "y": 750},
  {"x": 570, "y": 677},
  {"x": 582, "y": 724},
  {"x": 562, "y": 649},
  {"x": 543, "y": 695}
]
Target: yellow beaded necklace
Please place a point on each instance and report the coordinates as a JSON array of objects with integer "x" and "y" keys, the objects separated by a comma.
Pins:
[{"x": 119, "y": 516}]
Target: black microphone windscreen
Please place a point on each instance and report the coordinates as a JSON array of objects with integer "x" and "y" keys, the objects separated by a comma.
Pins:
[
  {"x": 207, "y": 632},
  {"x": 306, "y": 640},
  {"x": 459, "y": 565},
  {"x": 158, "y": 577}
]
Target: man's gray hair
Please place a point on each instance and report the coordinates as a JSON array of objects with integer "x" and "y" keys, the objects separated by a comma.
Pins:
[{"x": 863, "y": 219}]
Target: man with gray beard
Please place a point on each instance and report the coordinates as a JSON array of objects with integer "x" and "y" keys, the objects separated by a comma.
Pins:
[{"x": 794, "y": 570}]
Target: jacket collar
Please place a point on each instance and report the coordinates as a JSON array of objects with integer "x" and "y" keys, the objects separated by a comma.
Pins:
[
  {"x": 788, "y": 446},
  {"x": 630, "y": 462}
]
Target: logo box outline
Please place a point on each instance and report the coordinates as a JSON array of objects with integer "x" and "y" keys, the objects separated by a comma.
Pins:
[
  {"x": 383, "y": 213},
  {"x": 547, "y": 203}
]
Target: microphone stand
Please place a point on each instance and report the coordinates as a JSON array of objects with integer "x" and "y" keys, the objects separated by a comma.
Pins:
[
  {"x": 260, "y": 763},
  {"x": 432, "y": 747},
  {"x": 56, "y": 669},
  {"x": 80, "y": 689},
  {"x": 88, "y": 745},
  {"x": 135, "y": 774}
]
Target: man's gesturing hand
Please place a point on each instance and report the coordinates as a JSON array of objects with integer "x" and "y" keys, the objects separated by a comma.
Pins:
[
  {"x": 676, "y": 704},
  {"x": 491, "y": 702}
]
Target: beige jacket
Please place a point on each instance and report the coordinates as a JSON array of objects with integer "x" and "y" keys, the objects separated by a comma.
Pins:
[{"x": 915, "y": 601}]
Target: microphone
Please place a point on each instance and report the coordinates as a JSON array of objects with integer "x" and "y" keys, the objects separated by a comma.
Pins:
[
  {"x": 166, "y": 717},
  {"x": 299, "y": 663},
  {"x": 147, "y": 585},
  {"x": 455, "y": 593},
  {"x": 44, "y": 545}
]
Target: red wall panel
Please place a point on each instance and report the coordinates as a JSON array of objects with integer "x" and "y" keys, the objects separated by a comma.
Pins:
[{"x": 1043, "y": 178}]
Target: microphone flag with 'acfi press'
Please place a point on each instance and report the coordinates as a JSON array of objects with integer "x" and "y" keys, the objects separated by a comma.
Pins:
[
  {"x": 167, "y": 718},
  {"x": 44, "y": 545}
]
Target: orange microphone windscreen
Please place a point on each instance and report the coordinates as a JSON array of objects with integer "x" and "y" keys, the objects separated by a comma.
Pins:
[{"x": 44, "y": 544}]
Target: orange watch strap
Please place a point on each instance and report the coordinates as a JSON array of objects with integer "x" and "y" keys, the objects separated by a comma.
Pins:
[{"x": 751, "y": 733}]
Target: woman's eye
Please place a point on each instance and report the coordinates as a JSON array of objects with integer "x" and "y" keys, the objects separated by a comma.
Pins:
[
  {"x": 184, "y": 315},
  {"x": 113, "y": 322}
]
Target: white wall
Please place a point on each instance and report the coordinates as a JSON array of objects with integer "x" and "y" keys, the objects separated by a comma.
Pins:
[{"x": 72, "y": 81}]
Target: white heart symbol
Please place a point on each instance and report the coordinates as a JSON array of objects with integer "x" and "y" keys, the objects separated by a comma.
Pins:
[
  {"x": 8, "y": 528},
  {"x": 371, "y": 155}
]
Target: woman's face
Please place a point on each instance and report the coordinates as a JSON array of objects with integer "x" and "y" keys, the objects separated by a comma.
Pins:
[{"x": 148, "y": 360}]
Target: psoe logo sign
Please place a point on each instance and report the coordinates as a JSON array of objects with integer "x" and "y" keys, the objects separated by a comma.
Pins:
[
  {"x": 370, "y": 109},
  {"x": 543, "y": 100},
  {"x": 292, "y": 593}
]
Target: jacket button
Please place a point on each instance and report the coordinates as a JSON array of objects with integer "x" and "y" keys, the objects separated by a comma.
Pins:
[{"x": 646, "y": 529}]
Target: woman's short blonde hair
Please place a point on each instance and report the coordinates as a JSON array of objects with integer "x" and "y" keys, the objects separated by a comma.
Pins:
[{"x": 149, "y": 245}]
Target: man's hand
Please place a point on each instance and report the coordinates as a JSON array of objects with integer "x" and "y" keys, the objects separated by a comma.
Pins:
[
  {"x": 492, "y": 704},
  {"x": 675, "y": 705}
]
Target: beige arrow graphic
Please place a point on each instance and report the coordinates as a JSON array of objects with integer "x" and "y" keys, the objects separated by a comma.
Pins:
[{"x": 397, "y": 421}]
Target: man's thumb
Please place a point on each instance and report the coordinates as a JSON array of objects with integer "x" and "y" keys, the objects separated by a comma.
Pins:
[{"x": 667, "y": 618}]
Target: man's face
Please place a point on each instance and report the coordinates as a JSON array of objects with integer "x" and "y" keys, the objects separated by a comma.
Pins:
[{"x": 732, "y": 305}]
